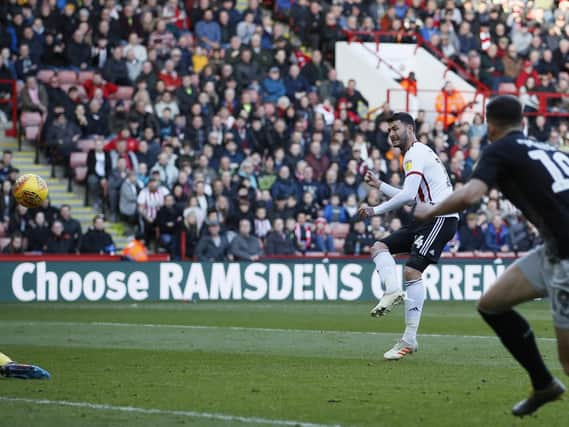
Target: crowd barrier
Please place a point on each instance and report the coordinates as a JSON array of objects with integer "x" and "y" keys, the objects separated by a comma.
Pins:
[{"x": 301, "y": 279}]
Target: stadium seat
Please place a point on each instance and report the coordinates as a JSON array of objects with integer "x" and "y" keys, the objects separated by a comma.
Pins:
[
  {"x": 30, "y": 119},
  {"x": 67, "y": 77},
  {"x": 339, "y": 244},
  {"x": 78, "y": 168},
  {"x": 124, "y": 93},
  {"x": 464, "y": 254},
  {"x": 32, "y": 132},
  {"x": 85, "y": 145},
  {"x": 85, "y": 75},
  {"x": 507, "y": 88},
  {"x": 30, "y": 126},
  {"x": 44, "y": 76},
  {"x": 4, "y": 241},
  {"x": 506, "y": 254},
  {"x": 315, "y": 254}
]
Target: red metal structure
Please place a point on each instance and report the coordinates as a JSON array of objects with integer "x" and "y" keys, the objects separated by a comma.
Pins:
[{"x": 13, "y": 131}]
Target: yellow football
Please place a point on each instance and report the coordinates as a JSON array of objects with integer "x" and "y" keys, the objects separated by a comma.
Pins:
[{"x": 30, "y": 190}]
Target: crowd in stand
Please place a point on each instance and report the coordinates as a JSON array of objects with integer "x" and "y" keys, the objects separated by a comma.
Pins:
[{"x": 243, "y": 141}]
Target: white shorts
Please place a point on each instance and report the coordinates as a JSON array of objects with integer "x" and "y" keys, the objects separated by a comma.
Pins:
[{"x": 550, "y": 278}]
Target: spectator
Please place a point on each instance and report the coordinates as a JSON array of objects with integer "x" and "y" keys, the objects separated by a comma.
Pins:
[
  {"x": 284, "y": 186},
  {"x": 354, "y": 97},
  {"x": 135, "y": 250},
  {"x": 128, "y": 206},
  {"x": 273, "y": 86},
  {"x": 59, "y": 242},
  {"x": 38, "y": 233},
  {"x": 25, "y": 66},
  {"x": 168, "y": 173},
  {"x": 208, "y": 31},
  {"x": 62, "y": 137},
  {"x": 277, "y": 242},
  {"x": 34, "y": 97},
  {"x": 359, "y": 240},
  {"x": 497, "y": 235},
  {"x": 244, "y": 246},
  {"x": 192, "y": 230},
  {"x": 16, "y": 245},
  {"x": 323, "y": 240},
  {"x": 522, "y": 238},
  {"x": 97, "y": 82},
  {"x": 150, "y": 200},
  {"x": 71, "y": 227},
  {"x": 214, "y": 246},
  {"x": 317, "y": 160},
  {"x": 78, "y": 52},
  {"x": 115, "y": 70},
  {"x": 449, "y": 105},
  {"x": 470, "y": 235},
  {"x": 246, "y": 28},
  {"x": 315, "y": 72},
  {"x": 168, "y": 221},
  {"x": 97, "y": 240},
  {"x": 302, "y": 233},
  {"x": 262, "y": 224}
]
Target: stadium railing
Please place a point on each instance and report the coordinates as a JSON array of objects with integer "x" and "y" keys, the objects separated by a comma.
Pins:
[
  {"x": 13, "y": 101},
  {"x": 405, "y": 99},
  {"x": 409, "y": 37}
]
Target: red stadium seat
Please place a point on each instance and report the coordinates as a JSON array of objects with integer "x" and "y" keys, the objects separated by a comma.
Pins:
[
  {"x": 85, "y": 145},
  {"x": 507, "y": 88},
  {"x": 124, "y": 92},
  {"x": 77, "y": 168},
  {"x": 464, "y": 254},
  {"x": 85, "y": 75},
  {"x": 80, "y": 173},
  {"x": 30, "y": 119},
  {"x": 32, "y": 132},
  {"x": 77, "y": 159},
  {"x": 4, "y": 241},
  {"x": 339, "y": 244},
  {"x": 44, "y": 76},
  {"x": 67, "y": 77}
]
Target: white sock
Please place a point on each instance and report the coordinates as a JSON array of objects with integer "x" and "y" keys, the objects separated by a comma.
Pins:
[
  {"x": 385, "y": 266},
  {"x": 413, "y": 309}
]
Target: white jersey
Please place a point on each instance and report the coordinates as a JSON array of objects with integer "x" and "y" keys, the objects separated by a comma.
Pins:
[{"x": 435, "y": 183}]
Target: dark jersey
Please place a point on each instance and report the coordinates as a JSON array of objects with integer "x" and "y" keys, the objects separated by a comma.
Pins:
[{"x": 535, "y": 177}]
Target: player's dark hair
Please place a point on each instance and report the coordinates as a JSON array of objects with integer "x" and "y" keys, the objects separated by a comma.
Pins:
[
  {"x": 404, "y": 118},
  {"x": 504, "y": 110}
]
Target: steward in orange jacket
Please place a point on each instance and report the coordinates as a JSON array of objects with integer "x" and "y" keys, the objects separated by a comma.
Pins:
[{"x": 450, "y": 105}]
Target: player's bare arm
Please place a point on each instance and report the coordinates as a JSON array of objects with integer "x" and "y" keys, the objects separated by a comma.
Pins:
[
  {"x": 405, "y": 196},
  {"x": 459, "y": 200},
  {"x": 373, "y": 180}
]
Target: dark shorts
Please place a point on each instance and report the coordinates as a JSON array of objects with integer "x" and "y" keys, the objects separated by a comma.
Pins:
[{"x": 424, "y": 242}]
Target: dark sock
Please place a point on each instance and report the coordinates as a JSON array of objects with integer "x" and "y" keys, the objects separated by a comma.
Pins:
[{"x": 517, "y": 336}]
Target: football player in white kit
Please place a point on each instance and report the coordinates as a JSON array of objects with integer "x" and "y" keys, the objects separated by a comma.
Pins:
[{"x": 426, "y": 180}]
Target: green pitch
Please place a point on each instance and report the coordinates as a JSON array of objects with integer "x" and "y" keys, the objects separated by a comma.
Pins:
[{"x": 237, "y": 364}]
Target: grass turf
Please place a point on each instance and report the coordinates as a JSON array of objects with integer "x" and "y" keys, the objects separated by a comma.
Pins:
[{"x": 310, "y": 362}]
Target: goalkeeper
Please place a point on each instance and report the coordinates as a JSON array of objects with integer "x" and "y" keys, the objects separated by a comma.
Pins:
[{"x": 11, "y": 369}]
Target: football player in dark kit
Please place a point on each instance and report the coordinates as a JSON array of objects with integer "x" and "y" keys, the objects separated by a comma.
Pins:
[{"x": 535, "y": 177}]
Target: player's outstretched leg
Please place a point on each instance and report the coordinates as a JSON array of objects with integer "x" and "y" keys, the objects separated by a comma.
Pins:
[
  {"x": 385, "y": 266},
  {"x": 11, "y": 369},
  {"x": 414, "y": 302},
  {"x": 516, "y": 335}
]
